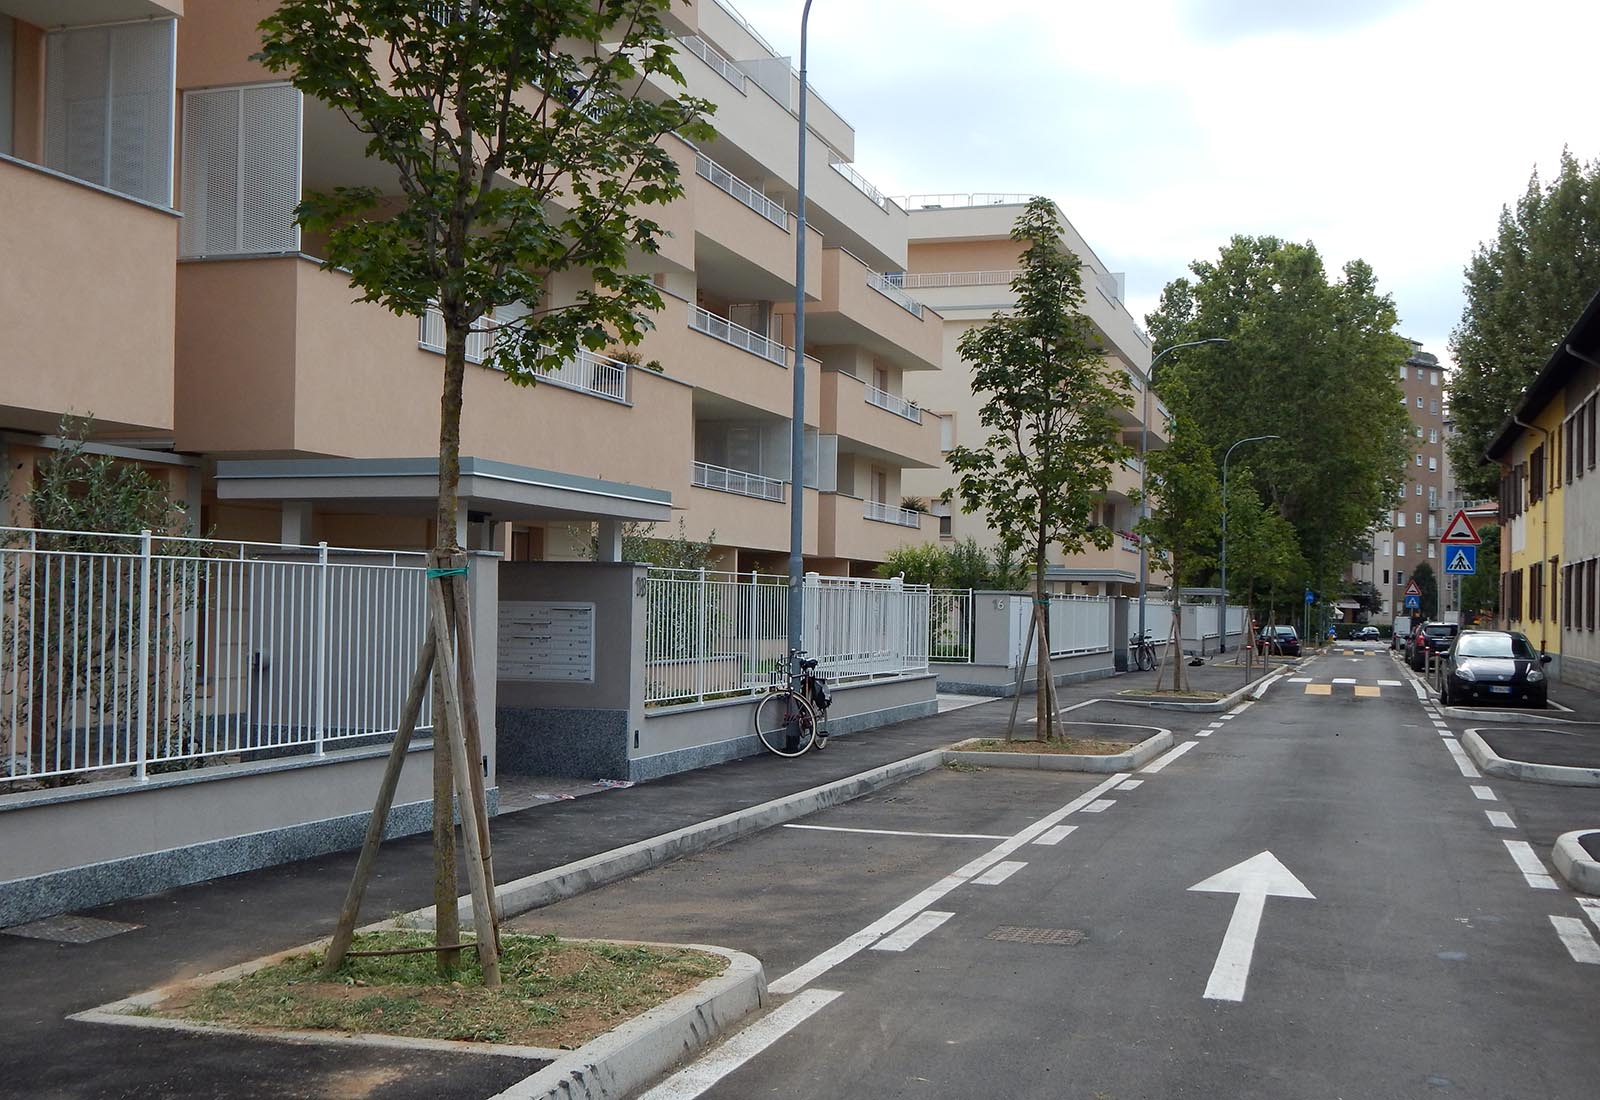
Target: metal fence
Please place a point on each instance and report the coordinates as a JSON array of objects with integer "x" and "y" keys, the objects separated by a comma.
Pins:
[
  {"x": 950, "y": 624},
  {"x": 711, "y": 635},
  {"x": 132, "y": 654},
  {"x": 1079, "y": 624}
]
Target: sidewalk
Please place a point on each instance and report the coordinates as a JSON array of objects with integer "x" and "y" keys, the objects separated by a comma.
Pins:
[{"x": 201, "y": 928}]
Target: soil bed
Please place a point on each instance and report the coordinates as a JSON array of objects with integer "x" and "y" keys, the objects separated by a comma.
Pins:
[
  {"x": 554, "y": 993},
  {"x": 1195, "y": 696},
  {"x": 1070, "y": 746}
]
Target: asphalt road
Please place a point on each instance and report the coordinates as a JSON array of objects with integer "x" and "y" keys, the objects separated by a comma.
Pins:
[{"x": 1424, "y": 962}]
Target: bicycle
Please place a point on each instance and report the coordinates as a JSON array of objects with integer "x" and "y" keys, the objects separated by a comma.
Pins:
[
  {"x": 1144, "y": 652},
  {"x": 789, "y": 722}
]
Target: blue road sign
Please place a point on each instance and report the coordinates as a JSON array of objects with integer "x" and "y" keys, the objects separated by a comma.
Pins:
[
  {"x": 1413, "y": 602},
  {"x": 1460, "y": 559},
  {"x": 1311, "y": 597}
]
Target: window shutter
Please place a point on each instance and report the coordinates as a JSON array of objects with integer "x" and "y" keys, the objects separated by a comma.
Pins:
[{"x": 241, "y": 170}]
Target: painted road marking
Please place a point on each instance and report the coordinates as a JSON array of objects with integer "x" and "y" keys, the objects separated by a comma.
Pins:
[
  {"x": 1256, "y": 879},
  {"x": 1064, "y": 710},
  {"x": 1441, "y": 723},
  {"x": 1056, "y": 835},
  {"x": 1577, "y": 938},
  {"x": 1484, "y": 793},
  {"x": 1319, "y": 689},
  {"x": 913, "y": 930},
  {"x": 1463, "y": 761},
  {"x": 1343, "y": 680},
  {"x": 1168, "y": 757},
  {"x": 1232, "y": 714},
  {"x": 1214, "y": 726},
  {"x": 807, "y": 972},
  {"x": 1367, "y": 691},
  {"x": 997, "y": 874},
  {"x": 1527, "y": 861},
  {"x": 1099, "y": 805},
  {"x": 1205, "y": 733},
  {"x": 1299, "y": 679},
  {"x": 1390, "y": 683},
  {"x": 898, "y": 832},
  {"x": 1241, "y": 708},
  {"x": 1591, "y": 908},
  {"x": 695, "y": 1079},
  {"x": 1130, "y": 784},
  {"x": 1500, "y": 819}
]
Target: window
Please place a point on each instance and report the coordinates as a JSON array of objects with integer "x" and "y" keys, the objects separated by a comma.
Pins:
[
  {"x": 947, "y": 431},
  {"x": 1592, "y": 567},
  {"x": 1430, "y": 549},
  {"x": 1386, "y": 554},
  {"x": 1433, "y": 435},
  {"x": 241, "y": 170},
  {"x": 1555, "y": 573},
  {"x": 1419, "y": 402},
  {"x": 1419, "y": 460},
  {"x": 1419, "y": 431},
  {"x": 1419, "y": 488},
  {"x": 1433, "y": 378},
  {"x": 945, "y": 531},
  {"x": 1566, "y": 595},
  {"x": 1386, "y": 575},
  {"x": 1433, "y": 406},
  {"x": 1401, "y": 522},
  {"x": 1535, "y": 476},
  {"x": 1433, "y": 463},
  {"x": 1400, "y": 549},
  {"x": 1594, "y": 429},
  {"x": 1417, "y": 519},
  {"x": 1402, "y": 372},
  {"x": 1399, "y": 576},
  {"x": 1577, "y": 442},
  {"x": 1535, "y": 591}
]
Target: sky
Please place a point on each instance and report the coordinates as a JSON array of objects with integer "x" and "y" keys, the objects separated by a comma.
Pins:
[{"x": 1386, "y": 130}]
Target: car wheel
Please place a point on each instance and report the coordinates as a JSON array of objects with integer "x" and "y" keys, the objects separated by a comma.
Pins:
[{"x": 1444, "y": 692}]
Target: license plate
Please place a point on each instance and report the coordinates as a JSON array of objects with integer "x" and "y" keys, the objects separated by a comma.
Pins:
[{"x": 1499, "y": 689}]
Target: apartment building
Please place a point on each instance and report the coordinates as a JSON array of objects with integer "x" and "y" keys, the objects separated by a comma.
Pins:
[
  {"x": 961, "y": 261},
  {"x": 153, "y": 275},
  {"x": 1410, "y": 536}
]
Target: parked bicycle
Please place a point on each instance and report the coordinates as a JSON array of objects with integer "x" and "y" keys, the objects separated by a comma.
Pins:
[
  {"x": 790, "y": 721},
  {"x": 1143, "y": 652}
]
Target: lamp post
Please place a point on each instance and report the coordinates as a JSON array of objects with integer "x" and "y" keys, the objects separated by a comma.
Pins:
[
  {"x": 1144, "y": 439},
  {"x": 797, "y": 422},
  {"x": 1222, "y": 627}
]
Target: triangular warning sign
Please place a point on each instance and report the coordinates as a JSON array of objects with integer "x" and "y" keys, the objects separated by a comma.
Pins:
[
  {"x": 1459, "y": 563},
  {"x": 1460, "y": 530},
  {"x": 1413, "y": 588}
]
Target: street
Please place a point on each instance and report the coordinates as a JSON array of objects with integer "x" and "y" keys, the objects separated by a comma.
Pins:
[{"x": 1373, "y": 919}]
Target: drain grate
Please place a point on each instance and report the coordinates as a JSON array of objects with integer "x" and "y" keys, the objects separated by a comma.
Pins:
[
  {"x": 68, "y": 928},
  {"x": 1061, "y": 937}
]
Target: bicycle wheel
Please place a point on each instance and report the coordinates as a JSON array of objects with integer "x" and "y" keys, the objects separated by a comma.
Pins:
[
  {"x": 785, "y": 723},
  {"x": 1146, "y": 658}
]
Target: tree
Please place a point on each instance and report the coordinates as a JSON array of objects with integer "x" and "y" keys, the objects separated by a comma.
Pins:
[
  {"x": 1181, "y": 487},
  {"x": 1263, "y": 549},
  {"x": 1428, "y": 581},
  {"x": 522, "y": 141},
  {"x": 1480, "y": 592},
  {"x": 1310, "y": 359},
  {"x": 1049, "y": 403},
  {"x": 1523, "y": 289}
]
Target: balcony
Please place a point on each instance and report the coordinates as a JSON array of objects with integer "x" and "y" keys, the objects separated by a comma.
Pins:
[
  {"x": 888, "y": 513},
  {"x": 897, "y": 405},
  {"x": 587, "y": 372},
  {"x": 890, "y": 428},
  {"x": 885, "y": 285},
  {"x": 705, "y": 361},
  {"x": 862, "y": 307},
  {"x": 720, "y": 328},
  {"x": 720, "y": 65},
  {"x": 845, "y": 532},
  {"x": 725, "y": 181},
  {"x": 724, "y": 480},
  {"x": 940, "y": 280}
]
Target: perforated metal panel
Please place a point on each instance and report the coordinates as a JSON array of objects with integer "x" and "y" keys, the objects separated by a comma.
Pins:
[
  {"x": 108, "y": 106},
  {"x": 241, "y": 170}
]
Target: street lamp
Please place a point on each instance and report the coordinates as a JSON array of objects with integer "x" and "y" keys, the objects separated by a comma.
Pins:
[
  {"x": 1144, "y": 439},
  {"x": 797, "y": 422},
  {"x": 1222, "y": 628}
]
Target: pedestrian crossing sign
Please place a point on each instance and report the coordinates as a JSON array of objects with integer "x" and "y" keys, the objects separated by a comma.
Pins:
[{"x": 1460, "y": 559}]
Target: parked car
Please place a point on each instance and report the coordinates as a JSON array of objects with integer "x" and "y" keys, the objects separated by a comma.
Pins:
[
  {"x": 1282, "y": 640},
  {"x": 1493, "y": 666},
  {"x": 1430, "y": 637},
  {"x": 1366, "y": 634},
  {"x": 1404, "y": 627}
]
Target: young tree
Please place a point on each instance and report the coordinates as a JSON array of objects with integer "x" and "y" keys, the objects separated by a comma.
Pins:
[
  {"x": 1480, "y": 592},
  {"x": 1263, "y": 550},
  {"x": 1428, "y": 581},
  {"x": 523, "y": 144},
  {"x": 1049, "y": 403}
]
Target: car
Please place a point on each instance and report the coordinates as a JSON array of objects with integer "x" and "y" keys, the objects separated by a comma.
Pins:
[
  {"x": 1282, "y": 640},
  {"x": 1498, "y": 666},
  {"x": 1366, "y": 634},
  {"x": 1430, "y": 637}
]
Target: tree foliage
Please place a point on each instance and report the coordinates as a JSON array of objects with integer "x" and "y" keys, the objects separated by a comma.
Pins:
[
  {"x": 963, "y": 564},
  {"x": 1264, "y": 561},
  {"x": 1310, "y": 359},
  {"x": 1428, "y": 581},
  {"x": 1524, "y": 289},
  {"x": 1480, "y": 591}
]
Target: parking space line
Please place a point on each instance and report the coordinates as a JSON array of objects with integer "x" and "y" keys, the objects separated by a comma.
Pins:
[
  {"x": 1591, "y": 909},
  {"x": 1484, "y": 793},
  {"x": 1577, "y": 939},
  {"x": 900, "y": 832},
  {"x": 995, "y": 875},
  {"x": 1527, "y": 861},
  {"x": 1056, "y": 835},
  {"x": 695, "y": 1079},
  {"x": 1463, "y": 761},
  {"x": 913, "y": 930},
  {"x": 1099, "y": 805},
  {"x": 1205, "y": 733},
  {"x": 1130, "y": 784},
  {"x": 1168, "y": 757},
  {"x": 1500, "y": 819},
  {"x": 1232, "y": 714}
]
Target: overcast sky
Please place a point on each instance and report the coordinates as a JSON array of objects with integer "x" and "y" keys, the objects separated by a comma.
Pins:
[{"x": 1390, "y": 130}]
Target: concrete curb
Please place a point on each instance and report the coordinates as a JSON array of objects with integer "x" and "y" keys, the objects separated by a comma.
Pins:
[
  {"x": 1494, "y": 764},
  {"x": 1131, "y": 760},
  {"x": 633, "y": 1053},
  {"x": 1580, "y": 870},
  {"x": 1210, "y": 707}
]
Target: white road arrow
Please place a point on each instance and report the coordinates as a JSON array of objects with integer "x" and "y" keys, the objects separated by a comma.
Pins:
[{"x": 1254, "y": 880}]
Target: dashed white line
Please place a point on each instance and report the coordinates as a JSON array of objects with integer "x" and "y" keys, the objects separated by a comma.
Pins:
[
  {"x": 1099, "y": 805},
  {"x": 1168, "y": 757},
  {"x": 1227, "y": 717},
  {"x": 1056, "y": 835},
  {"x": 1299, "y": 679},
  {"x": 1591, "y": 909},
  {"x": 1205, "y": 733},
  {"x": 1463, "y": 761},
  {"x": 1130, "y": 784},
  {"x": 1527, "y": 861},
  {"x": 997, "y": 874},
  {"x": 1484, "y": 793},
  {"x": 1241, "y": 708},
  {"x": 1343, "y": 680},
  {"x": 694, "y": 1080},
  {"x": 913, "y": 930},
  {"x": 1500, "y": 819},
  {"x": 1390, "y": 683},
  {"x": 898, "y": 832},
  {"x": 1577, "y": 939}
]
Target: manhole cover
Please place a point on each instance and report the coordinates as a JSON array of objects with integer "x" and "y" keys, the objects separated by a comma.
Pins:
[
  {"x": 69, "y": 929},
  {"x": 1065, "y": 937}
]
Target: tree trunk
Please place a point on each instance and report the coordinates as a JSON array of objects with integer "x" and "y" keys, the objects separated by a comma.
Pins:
[
  {"x": 1177, "y": 627},
  {"x": 1041, "y": 665}
]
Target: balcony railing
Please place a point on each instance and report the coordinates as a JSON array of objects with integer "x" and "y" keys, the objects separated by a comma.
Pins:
[
  {"x": 746, "y": 484},
  {"x": 935, "y": 279},
  {"x": 859, "y": 182},
  {"x": 724, "y": 180},
  {"x": 888, "y": 513},
  {"x": 588, "y": 372},
  {"x": 960, "y": 200},
  {"x": 897, "y": 405},
  {"x": 886, "y": 286},
  {"x": 720, "y": 328},
  {"x": 724, "y": 68}
]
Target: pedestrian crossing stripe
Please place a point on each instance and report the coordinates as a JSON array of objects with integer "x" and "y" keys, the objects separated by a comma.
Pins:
[
  {"x": 1362, "y": 691},
  {"x": 1319, "y": 689}
]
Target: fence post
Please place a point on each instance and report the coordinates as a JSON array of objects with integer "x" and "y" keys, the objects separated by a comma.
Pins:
[
  {"x": 752, "y": 624},
  {"x": 700, "y": 642},
  {"x": 321, "y": 718},
  {"x": 142, "y": 770}
]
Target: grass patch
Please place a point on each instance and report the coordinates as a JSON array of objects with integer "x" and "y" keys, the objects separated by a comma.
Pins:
[
  {"x": 1200, "y": 696},
  {"x": 961, "y": 766},
  {"x": 1068, "y": 746},
  {"x": 554, "y": 993}
]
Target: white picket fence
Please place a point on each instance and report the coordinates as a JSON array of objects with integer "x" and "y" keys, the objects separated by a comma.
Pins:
[
  {"x": 711, "y": 635},
  {"x": 141, "y": 653}
]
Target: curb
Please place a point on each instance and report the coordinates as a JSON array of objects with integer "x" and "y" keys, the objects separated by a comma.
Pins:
[
  {"x": 1211, "y": 707},
  {"x": 1580, "y": 869},
  {"x": 1131, "y": 760},
  {"x": 1494, "y": 764},
  {"x": 640, "y": 1050}
]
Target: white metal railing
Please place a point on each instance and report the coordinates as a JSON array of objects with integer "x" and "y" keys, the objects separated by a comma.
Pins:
[
  {"x": 889, "y": 513},
  {"x": 897, "y": 405},
  {"x": 1128, "y": 541},
  {"x": 886, "y": 286},
  {"x": 724, "y": 68},
  {"x": 960, "y": 200},
  {"x": 858, "y": 181},
  {"x": 720, "y": 328},
  {"x": 950, "y": 624},
  {"x": 587, "y": 371},
  {"x": 1079, "y": 624},
  {"x": 927, "y": 280},
  {"x": 707, "y": 476},
  {"x": 127, "y": 655},
  {"x": 479, "y": 340},
  {"x": 711, "y": 635},
  {"x": 724, "y": 180}
]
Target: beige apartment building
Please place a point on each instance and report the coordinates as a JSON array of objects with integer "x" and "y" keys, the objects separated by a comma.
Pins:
[
  {"x": 962, "y": 261},
  {"x": 151, "y": 273}
]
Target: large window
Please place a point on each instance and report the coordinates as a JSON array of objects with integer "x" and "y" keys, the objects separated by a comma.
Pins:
[
  {"x": 241, "y": 170},
  {"x": 108, "y": 106}
]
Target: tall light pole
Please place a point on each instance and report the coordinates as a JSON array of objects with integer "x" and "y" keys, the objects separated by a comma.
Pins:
[
  {"x": 797, "y": 422},
  {"x": 1144, "y": 439},
  {"x": 1222, "y": 628}
]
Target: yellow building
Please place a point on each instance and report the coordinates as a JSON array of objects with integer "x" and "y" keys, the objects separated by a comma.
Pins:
[{"x": 1531, "y": 452}]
